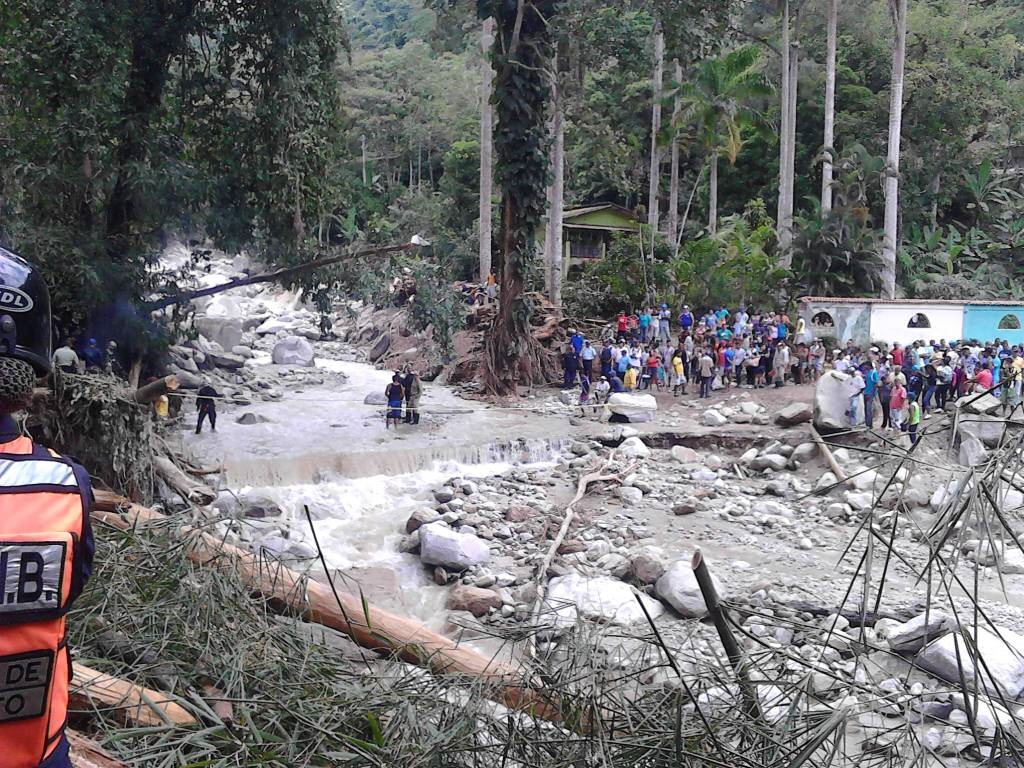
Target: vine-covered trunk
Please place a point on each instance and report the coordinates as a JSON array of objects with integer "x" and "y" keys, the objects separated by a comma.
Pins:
[
  {"x": 673, "y": 188},
  {"x": 522, "y": 86},
  {"x": 782, "y": 232},
  {"x": 713, "y": 194},
  {"x": 556, "y": 196}
]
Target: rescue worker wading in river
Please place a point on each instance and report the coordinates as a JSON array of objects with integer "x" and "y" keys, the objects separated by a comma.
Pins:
[{"x": 46, "y": 544}]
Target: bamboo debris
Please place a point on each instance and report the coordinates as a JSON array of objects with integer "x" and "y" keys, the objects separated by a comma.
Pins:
[
  {"x": 86, "y": 753},
  {"x": 140, "y": 706},
  {"x": 378, "y": 630},
  {"x": 837, "y": 470}
]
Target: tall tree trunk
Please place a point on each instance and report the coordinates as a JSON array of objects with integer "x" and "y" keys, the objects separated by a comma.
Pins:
[
  {"x": 486, "y": 147},
  {"x": 828, "y": 147},
  {"x": 794, "y": 87},
  {"x": 713, "y": 194},
  {"x": 781, "y": 234},
  {"x": 158, "y": 32},
  {"x": 362, "y": 141},
  {"x": 890, "y": 243},
  {"x": 673, "y": 188},
  {"x": 556, "y": 194},
  {"x": 656, "y": 86},
  {"x": 521, "y": 52}
]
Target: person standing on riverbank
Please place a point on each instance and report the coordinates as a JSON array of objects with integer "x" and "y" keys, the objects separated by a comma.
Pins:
[
  {"x": 413, "y": 392},
  {"x": 206, "y": 404}
]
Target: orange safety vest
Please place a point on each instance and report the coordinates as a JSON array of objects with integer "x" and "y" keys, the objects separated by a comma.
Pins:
[{"x": 43, "y": 521}]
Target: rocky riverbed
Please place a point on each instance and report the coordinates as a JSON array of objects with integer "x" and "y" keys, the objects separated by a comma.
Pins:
[{"x": 855, "y": 596}]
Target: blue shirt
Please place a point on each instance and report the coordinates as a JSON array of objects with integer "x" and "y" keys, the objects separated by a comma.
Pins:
[
  {"x": 577, "y": 342},
  {"x": 645, "y": 320},
  {"x": 871, "y": 379},
  {"x": 686, "y": 320}
]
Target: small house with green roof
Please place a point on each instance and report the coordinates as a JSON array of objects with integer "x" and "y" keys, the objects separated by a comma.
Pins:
[{"x": 587, "y": 232}]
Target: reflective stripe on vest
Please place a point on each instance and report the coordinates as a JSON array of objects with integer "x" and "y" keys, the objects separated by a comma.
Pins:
[{"x": 41, "y": 526}]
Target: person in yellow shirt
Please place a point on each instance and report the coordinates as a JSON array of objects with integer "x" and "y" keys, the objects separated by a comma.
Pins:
[
  {"x": 631, "y": 378},
  {"x": 678, "y": 374}
]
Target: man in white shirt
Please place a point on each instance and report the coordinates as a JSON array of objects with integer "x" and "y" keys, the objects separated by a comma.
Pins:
[
  {"x": 855, "y": 385},
  {"x": 66, "y": 359}
]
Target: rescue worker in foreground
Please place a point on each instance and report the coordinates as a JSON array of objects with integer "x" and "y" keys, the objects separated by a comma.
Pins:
[{"x": 46, "y": 544}]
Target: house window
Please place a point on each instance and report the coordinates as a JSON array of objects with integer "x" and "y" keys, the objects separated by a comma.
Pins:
[
  {"x": 1009, "y": 323},
  {"x": 919, "y": 320},
  {"x": 823, "y": 319}
]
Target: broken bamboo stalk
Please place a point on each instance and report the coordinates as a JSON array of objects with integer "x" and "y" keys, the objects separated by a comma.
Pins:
[
  {"x": 837, "y": 470},
  {"x": 190, "y": 489},
  {"x": 137, "y": 705},
  {"x": 570, "y": 513},
  {"x": 153, "y": 391},
  {"x": 373, "y": 628},
  {"x": 86, "y": 753}
]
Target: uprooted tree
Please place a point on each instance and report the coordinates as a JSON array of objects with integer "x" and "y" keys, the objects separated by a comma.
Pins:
[{"x": 521, "y": 55}]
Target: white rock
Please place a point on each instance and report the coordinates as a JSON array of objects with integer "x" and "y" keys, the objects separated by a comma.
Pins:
[
  {"x": 223, "y": 330},
  {"x": 827, "y": 480},
  {"x": 1003, "y": 656},
  {"x": 271, "y": 326},
  {"x": 831, "y": 401},
  {"x": 678, "y": 587},
  {"x": 629, "y": 494},
  {"x": 601, "y": 599},
  {"x": 804, "y": 453},
  {"x": 684, "y": 455},
  {"x": 712, "y": 418},
  {"x": 294, "y": 350},
  {"x": 749, "y": 456},
  {"x": 633, "y": 448},
  {"x": 713, "y": 462},
  {"x": 749, "y": 408},
  {"x": 859, "y": 500},
  {"x": 635, "y": 407},
  {"x": 440, "y": 545},
  {"x": 911, "y": 636}
]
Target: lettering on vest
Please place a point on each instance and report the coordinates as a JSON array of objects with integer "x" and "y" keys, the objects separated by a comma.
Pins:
[
  {"x": 31, "y": 575},
  {"x": 24, "y": 685}
]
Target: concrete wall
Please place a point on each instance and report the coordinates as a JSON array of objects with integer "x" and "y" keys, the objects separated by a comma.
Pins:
[
  {"x": 890, "y": 322},
  {"x": 850, "y": 321},
  {"x": 982, "y": 323}
]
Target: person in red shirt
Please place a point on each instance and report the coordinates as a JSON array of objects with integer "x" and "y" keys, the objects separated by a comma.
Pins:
[
  {"x": 983, "y": 379},
  {"x": 622, "y": 324},
  {"x": 897, "y": 356}
]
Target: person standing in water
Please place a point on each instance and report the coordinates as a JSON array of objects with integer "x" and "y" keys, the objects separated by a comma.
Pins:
[{"x": 395, "y": 394}]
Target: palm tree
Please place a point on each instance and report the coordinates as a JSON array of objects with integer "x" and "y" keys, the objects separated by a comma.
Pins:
[{"x": 720, "y": 103}]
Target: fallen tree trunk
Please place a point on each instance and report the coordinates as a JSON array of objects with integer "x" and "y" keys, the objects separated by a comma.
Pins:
[
  {"x": 86, "y": 753},
  {"x": 153, "y": 391},
  {"x": 837, "y": 470},
  {"x": 279, "y": 274},
  {"x": 372, "y": 628},
  {"x": 137, "y": 705},
  {"x": 190, "y": 489}
]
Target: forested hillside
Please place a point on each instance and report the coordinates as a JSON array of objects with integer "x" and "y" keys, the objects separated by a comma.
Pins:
[{"x": 298, "y": 127}]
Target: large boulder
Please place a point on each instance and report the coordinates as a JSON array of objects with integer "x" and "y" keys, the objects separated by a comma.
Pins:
[
  {"x": 678, "y": 587},
  {"x": 224, "y": 306},
  {"x": 294, "y": 350},
  {"x": 1002, "y": 656},
  {"x": 633, "y": 448},
  {"x": 226, "y": 331},
  {"x": 226, "y": 360},
  {"x": 794, "y": 413},
  {"x": 474, "y": 600},
  {"x": 258, "y": 504},
  {"x": 972, "y": 451},
  {"x": 911, "y": 636},
  {"x": 633, "y": 406},
  {"x": 601, "y": 599},
  {"x": 375, "y": 398},
  {"x": 712, "y": 418},
  {"x": 440, "y": 545},
  {"x": 380, "y": 348},
  {"x": 984, "y": 404},
  {"x": 988, "y": 429},
  {"x": 271, "y": 326},
  {"x": 831, "y": 401}
]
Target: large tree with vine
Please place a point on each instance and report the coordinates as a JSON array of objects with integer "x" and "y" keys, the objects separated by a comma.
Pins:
[{"x": 521, "y": 56}]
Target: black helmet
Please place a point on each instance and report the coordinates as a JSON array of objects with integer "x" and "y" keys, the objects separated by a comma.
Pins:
[{"x": 24, "y": 313}]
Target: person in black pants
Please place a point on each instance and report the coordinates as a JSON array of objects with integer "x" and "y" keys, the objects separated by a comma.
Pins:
[
  {"x": 207, "y": 407},
  {"x": 884, "y": 395}
]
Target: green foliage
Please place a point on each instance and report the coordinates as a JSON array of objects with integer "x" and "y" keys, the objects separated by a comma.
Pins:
[
  {"x": 437, "y": 305},
  {"x": 720, "y": 101},
  {"x": 734, "y": 266}
]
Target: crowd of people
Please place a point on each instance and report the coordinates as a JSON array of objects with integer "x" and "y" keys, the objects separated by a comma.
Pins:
[
  {"x": 90, "y": 358},
  {"x": 905, "y": 384},
  {"x": 659, "y": 350}
]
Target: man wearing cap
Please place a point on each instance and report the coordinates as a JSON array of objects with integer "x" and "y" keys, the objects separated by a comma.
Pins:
[
  {"x": 685, "y": 319},
  {"x": 93, "y": 356},
  {"x": 664, "y": 321}
]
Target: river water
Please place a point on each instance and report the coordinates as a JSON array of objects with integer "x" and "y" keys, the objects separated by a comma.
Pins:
[{"x": 324, "y": 449}]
